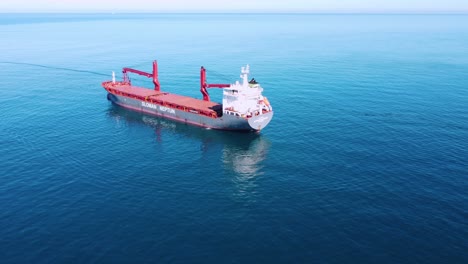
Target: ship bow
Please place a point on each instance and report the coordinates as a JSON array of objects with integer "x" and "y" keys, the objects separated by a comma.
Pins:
[{"x": 260, "y": 121}]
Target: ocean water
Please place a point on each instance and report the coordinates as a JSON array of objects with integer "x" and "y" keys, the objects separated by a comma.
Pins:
[{"x": 365, "y": 160}]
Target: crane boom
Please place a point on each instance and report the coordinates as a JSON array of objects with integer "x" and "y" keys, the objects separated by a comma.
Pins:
[{"x": 125, "y": 70}]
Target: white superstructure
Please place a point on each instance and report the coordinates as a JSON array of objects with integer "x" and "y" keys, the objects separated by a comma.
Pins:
[{"x": 245, "y": 99}]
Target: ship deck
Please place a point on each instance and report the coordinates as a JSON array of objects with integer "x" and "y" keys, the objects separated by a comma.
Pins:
[{"x": 164, "y": 98}]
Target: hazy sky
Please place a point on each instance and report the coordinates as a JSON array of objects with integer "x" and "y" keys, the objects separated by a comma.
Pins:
[{"x": 235, "y": 5}]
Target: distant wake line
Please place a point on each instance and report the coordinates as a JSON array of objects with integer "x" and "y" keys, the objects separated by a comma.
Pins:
[
  {"x": 53, "y": 67},
  {"x": 217, "y": 74}
]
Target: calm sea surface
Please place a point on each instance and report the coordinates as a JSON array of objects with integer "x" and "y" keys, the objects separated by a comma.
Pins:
[{"x": 365, "y": 160}]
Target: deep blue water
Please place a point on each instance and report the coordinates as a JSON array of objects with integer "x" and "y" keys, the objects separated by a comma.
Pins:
[{"x": 365, "y": 160}]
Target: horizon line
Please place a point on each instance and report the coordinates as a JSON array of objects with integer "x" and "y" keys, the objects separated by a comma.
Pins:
[{"x": 312, "y": 12}]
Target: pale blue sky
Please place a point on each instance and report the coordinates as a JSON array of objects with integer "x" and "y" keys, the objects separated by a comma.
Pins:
[{"x": 234, "y": 5}]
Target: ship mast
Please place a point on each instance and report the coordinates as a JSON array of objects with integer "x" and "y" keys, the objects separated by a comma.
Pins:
[{"x": 245, "y": 75}]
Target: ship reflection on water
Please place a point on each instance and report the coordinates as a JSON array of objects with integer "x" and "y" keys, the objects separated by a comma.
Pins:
[
  {"x": 241, "y": 153},
  {"x": 246, "y": 161}
]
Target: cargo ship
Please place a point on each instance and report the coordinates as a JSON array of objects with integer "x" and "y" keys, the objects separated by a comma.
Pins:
[{"x": 243, "y": 108}]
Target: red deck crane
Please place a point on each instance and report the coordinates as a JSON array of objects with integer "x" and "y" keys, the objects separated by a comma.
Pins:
[
  {"x": 157, "y": 87},
  {"x": 204, "y": 85},
  {"x": 154, "y": 75}
]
